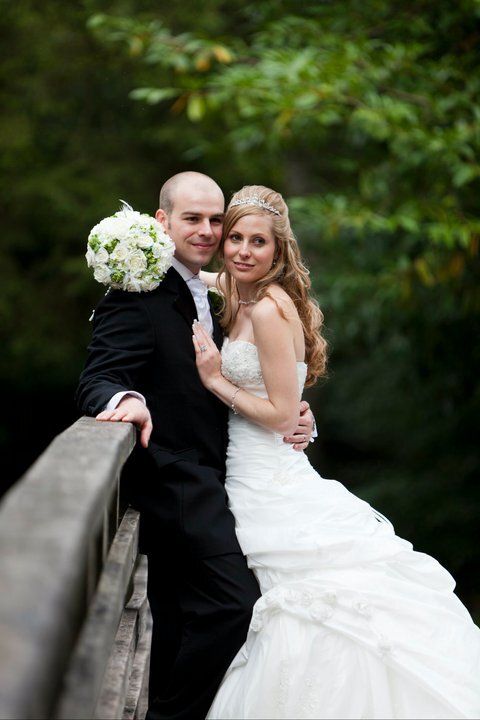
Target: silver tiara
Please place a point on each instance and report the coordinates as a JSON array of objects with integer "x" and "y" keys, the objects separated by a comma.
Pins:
[{"x": 255, "y": 200}]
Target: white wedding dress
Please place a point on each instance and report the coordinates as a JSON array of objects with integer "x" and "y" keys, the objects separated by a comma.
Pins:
[{"x": 352, "y": 623}]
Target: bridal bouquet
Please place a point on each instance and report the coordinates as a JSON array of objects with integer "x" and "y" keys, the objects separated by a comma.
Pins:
[{"x": 129, "y": 251}]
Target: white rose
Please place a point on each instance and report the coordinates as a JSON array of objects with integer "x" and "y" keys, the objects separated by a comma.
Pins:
[
  {"x": 168, "y": 251},
  {"x": 132, "y": 285},
  {"x": 120, "y": 252},
  {"x": 101, "y": 256},
  {"x": 90, "y": 255},
  {"x": 157, "y": 250},
  {"x": 137, "y": 262},
  {"x": 160, "y": 251},
  {"x": 107, "y": 229},
  {"x": 102, "y": 274},
  {"x": 144, "y": 241},
  {"x": 123, "y": 226},
  {"x": 149, "y": 284},
  {"x": 96, "y": 230}
]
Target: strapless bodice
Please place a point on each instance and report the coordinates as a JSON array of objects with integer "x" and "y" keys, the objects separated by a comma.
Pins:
[{"x": 241, "y": 365}]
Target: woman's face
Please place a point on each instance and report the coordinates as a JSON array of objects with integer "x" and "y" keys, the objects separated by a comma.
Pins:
[{"x": 249, "y": 248}]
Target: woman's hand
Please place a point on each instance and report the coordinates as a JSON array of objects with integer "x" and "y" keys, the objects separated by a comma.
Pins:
[{"x": 209, "y": 361}]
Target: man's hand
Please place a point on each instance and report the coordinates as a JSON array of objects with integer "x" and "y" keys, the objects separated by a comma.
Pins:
[
  {"x": 301, "y": 438},
  {"x": 131, "y": 409}
]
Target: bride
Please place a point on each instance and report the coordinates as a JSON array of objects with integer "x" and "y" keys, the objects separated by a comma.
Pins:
[{"x": 352, "y": 622}]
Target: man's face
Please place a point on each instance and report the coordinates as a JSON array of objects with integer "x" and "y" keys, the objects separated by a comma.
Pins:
[{"x": 195, "y": 223}]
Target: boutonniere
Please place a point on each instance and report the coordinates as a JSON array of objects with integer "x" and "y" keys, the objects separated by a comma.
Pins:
[
  {"x": 129, "y": 251},
  {"x": 217, "y": 300}
]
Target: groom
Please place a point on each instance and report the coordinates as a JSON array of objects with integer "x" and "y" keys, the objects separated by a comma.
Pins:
[{"x": 141, "y": 369}]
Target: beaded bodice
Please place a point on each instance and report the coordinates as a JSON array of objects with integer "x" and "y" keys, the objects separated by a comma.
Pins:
[{"x": 241, "y": 365}]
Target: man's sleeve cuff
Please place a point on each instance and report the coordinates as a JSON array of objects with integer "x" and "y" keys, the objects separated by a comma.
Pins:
[{"x": 115, "y": 400}]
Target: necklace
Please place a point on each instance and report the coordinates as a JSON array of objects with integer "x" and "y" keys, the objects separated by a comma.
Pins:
[{"x": 247, "y": 302}]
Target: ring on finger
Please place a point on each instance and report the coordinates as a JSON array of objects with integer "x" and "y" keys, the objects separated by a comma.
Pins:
[{"x": 203, "y": 348}]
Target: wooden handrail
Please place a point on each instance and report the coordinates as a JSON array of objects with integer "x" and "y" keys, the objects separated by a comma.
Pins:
[{"x": 73, "y": 606}]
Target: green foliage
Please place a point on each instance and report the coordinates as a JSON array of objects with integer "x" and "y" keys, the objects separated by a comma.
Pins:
[{"x": 366, "y": 116}]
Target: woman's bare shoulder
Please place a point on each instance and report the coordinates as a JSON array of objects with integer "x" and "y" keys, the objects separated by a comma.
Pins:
[{"x": 276, "y": 302}]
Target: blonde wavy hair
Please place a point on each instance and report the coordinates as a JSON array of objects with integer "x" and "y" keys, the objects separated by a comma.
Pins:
[{"x": 288, "y": 271}]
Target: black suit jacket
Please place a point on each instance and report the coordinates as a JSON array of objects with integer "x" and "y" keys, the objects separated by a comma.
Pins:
[{"x": 143, "y": 342}]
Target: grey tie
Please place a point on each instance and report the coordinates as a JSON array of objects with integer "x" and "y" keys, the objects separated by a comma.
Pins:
[{"x": 200, "y": 296}]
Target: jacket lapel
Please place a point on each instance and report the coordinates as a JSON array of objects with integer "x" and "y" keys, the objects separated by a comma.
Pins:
[
  {"x": 184, "y": 303},
  {"x": 182, "y": 299},
  {"x": 217, "y": 330}
]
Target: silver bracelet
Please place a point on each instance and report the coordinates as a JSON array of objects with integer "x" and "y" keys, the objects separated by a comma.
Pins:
[{"x": 232, "y": 403}]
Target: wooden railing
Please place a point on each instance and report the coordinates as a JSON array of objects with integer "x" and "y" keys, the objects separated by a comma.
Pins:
[{"x": 74, "y": 619}]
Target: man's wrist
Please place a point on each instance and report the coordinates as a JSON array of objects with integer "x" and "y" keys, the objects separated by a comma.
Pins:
[{"x": 115, "y": 401}]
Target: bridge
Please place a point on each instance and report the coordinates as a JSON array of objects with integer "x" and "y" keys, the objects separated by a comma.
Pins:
[{"x": 75, "y": 625}]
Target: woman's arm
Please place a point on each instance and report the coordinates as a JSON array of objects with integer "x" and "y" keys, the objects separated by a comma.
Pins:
[
  {"x": 275, "y": 343},
  {"x": 209, "y": 278}
]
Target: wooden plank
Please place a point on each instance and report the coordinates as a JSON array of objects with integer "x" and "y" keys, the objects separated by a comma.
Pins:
[
  {"x": 136, "y": 702},
  {"x": 47, "y": 522},
  {"x": 84, "y": 677},
  {"x": 126, "y": 675},
  {"x": 116, "y": 681}
]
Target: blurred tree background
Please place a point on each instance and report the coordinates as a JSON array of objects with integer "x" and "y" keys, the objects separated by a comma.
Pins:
[{"x": 365, "y": 115}]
